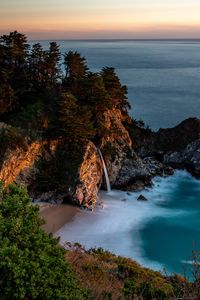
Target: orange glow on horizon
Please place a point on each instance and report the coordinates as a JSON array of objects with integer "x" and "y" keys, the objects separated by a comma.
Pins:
[{"x": 129, "y": 19}]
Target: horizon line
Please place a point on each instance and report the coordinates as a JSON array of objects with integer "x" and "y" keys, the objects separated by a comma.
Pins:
[{"x": 117, "y": 39}]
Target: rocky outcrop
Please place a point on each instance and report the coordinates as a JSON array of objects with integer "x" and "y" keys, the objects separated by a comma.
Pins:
[
  {"x": 189, "y": 158},
  {"x": 158, "y": 153},
  {"x": 178, "y": 137},
  {"x": 115, "y": 143},
  {"x": 137, "y": 173},
  {"x": 133, "y": 174},
  {"x": 19, "y": 165},
  {"x": 54, "y": 171},
  {"x": 59, "y": 171},
  {"x": 89, "y": 177}
]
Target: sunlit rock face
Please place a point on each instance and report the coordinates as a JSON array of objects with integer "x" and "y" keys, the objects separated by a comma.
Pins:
[
  {"x": 20, "y": 165},
  {"x": 116, "y": 143},
  {"x": 54, "y": 171},
  {"x": 89, "y": 177}
]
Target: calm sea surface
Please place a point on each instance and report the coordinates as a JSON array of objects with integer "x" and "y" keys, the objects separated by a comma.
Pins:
[{"x": 163, "y": 77}]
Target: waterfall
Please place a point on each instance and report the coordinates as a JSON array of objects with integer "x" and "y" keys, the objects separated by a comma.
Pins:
[{"x": 105, "y": 171}]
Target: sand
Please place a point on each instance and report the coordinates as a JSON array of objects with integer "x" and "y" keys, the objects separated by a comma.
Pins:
[{"x": 56, "y": 216}]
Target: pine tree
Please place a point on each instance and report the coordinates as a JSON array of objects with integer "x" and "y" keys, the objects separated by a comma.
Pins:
[
  {"x": 116, "y": 91},
  {"x": 74, "y": 121}
]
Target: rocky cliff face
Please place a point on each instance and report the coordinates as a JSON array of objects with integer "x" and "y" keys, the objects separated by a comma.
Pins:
[
  {"x": 89, "y": 177},
  {"x": 54, "y": 171},
  {"x": 177, "y": 147},
  {"x": 189, "y": 158},
  {"x": 19, "y": 165},
  {"x": 59, "y": 171},
  {"x": 115, "y": 144}
]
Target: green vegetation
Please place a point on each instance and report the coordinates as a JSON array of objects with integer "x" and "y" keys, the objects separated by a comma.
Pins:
[
  {"x": 108, "y": 276},
  {"x": 37, "y": 96},
  {"x": 32, "y": 264}
]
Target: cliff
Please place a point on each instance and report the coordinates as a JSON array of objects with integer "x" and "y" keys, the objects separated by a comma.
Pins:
[
  {"x": 177, "y": 147},
  {"x": 54, "y": 171},
  {"x": 61, "y": 171},
  {"x": 115, "y": 143}
]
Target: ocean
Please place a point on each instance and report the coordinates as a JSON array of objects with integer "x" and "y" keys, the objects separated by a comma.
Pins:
[
  {"x": 163, "y": 77},
  {"x": 161, "y": 233}
]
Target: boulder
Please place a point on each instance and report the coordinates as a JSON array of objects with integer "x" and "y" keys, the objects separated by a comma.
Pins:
[{"x": 142, "y": 198}]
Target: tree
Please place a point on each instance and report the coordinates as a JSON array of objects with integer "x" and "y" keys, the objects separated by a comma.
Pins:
[
  {"x": 13, "y": 68},
  {"x": 74, "y": 121},
  {"x": 75, "y": 66},
  {"x": 44, "y": 65},
  {"x": 116, "y": 91},
  {"x": 32, "y": 264},
  {"x": 14, "y": 50}
]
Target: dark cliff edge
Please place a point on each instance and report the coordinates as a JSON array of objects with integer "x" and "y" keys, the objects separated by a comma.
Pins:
[{"x": 176, "y": 147}]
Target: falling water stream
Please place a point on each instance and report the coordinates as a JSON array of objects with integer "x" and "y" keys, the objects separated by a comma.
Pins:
[{"x": 105, "y": 171}]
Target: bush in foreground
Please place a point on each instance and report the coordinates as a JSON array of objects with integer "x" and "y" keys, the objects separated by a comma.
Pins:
[{"x": 32, "y": 264}]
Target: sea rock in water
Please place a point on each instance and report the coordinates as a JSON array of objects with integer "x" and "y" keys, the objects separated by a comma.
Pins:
[
  {"x": 142, "y": 198},
  {"x": 168, "y": 171}
]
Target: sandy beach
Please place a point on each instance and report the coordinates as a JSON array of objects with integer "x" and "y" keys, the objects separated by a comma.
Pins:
[{"x": 56, "y": 216}]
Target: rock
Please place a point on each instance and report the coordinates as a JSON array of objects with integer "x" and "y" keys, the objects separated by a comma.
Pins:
[
  {"x": 168, "y": 171},
  {"x": 177, "y": 138},
  {"x": 142, "y": 198},
  {"x": 89, "y": 177},
  {"x": 129, "y": 194},
  {"x": 30, "y": 167},
  {"x": 153, "y": 166},
  {"x": 136, "y": 173},
  {"x": 174, "y": 159},
  {"x": 124, "y": 200},
  {"x": 189, "y": 158},
  {"x": 115, "y": 144}
]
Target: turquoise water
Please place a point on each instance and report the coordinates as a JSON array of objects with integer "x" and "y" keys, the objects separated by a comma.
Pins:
[
  {"x": 163, "y": 77},
  {"x": 159, "y": 233},
  {"x": 170, "y": 239}
]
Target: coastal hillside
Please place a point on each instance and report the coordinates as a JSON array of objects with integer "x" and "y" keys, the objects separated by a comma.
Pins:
[
  {"x": 53, "y": 121},
  {"x": 61, "y": 127},
  {"x": 55, "y": 117},
  {"x": 34, "y": 266}
]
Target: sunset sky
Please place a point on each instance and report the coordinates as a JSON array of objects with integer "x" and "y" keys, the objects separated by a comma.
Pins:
[{"x": 82, "y": 19}]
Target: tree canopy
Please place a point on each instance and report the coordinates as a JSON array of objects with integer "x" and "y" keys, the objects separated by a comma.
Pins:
[{"x": 36, "y": 93}]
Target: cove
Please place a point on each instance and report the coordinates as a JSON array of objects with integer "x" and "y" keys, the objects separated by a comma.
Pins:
[{"x": 159, "y": 233}]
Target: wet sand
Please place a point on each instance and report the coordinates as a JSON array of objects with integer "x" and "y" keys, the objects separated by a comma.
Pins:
[{"x": 56, "y": 216}]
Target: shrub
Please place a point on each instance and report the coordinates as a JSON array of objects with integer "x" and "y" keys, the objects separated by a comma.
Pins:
[{"x": 32, "y": 264}]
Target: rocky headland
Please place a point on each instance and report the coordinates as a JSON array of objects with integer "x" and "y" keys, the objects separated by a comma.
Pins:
[
  {"x": 55, "y": 117},
  {"x": 58, "y": 172}
]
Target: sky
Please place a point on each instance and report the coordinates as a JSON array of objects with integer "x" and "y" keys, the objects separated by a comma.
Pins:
[{"x": 101, "y": 19}]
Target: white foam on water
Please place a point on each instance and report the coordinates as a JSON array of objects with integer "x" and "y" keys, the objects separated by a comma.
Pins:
[
  {"x": 116, "y": 226},
  {"x": 190, "y": 262}
]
